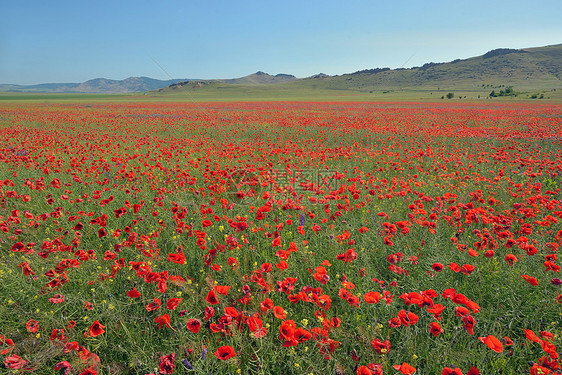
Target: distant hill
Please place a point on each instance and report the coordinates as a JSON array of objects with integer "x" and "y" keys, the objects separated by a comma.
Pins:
[
  {"x": 525, "y": 69},
  {"x": 258, "y": 78},
  {"x": 529, "y": 68},
  {"x": 98, "y": 85}
]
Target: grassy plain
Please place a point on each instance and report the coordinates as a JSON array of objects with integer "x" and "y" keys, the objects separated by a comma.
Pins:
[{"x": 330, "y": 237}]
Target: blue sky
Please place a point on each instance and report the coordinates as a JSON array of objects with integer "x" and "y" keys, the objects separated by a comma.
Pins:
[{"x": 73, "y": 41}]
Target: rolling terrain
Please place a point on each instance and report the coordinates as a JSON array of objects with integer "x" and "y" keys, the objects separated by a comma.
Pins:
[
  {"x": 94, "y": 86},
  {"x": 529, "y": 71}
]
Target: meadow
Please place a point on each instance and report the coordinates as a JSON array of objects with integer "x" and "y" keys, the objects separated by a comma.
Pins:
[{"x": 280, "y": 238}]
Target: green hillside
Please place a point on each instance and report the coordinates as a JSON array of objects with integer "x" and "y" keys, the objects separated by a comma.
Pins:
[{"x": 531, "y": 71}]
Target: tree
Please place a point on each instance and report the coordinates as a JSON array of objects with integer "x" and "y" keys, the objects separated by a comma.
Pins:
[{"x": 450, "y": 95}]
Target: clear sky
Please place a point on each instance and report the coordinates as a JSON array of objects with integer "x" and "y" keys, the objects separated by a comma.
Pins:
[{"x": 73, "y": 41}]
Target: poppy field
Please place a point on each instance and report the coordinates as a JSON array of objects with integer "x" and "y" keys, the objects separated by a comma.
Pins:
[{"x": 280, "y": 238}]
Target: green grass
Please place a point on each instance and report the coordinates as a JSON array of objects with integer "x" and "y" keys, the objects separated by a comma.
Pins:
[
  {"x": 393, "y": 155},
  {"x": 537, "y": 71},
  {"x": 50, "y": 97}
]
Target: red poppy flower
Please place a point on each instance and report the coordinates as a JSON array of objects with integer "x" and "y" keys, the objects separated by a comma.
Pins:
[
  {"x": 467, "y": 269},
  {"x": 459, "y": 299},
  {"x": 372, "y": 297},
  {"x": 167, "y": 363},
  {"x": 178, "y": 258},
  {"x": 364, "y": 370},
  {"x": 95, "y": 329},
  {"x": 212, "y": 297},
  {"x": 407, "y": 318},
  {"x": 473, "y": 306},
  {"x": 209, "y": 312},
  {"x": 15, "y": 362},
  {"x": 550, "y": 266},
  {"x": 26, "y": 268},
  {"x": 57, "y": 298},
  {"x": 437, "y": 267},
  {"x": 225, "y": 352},
  {"x": 287, "y": 329},
  {"x": 539, "y": 370},
  {"x": 232, "y": 262},
  {"x": 222, "y": 289},
  {"x": 193, "y": 325},
  {"x": 163, "y": 319},
  {"x": 154, "y": 305},
  {"x": 531, "y": 336},
  {"x": 64, "y": 365},
  {"x": 173, "y": 303},
  {"x": 302, "y": 335},
  {"x": 531, "y": 280},
  {"x": 436, "y": 310},
  {"x": 510, "y": 259},
  {"x": 32, "y": 325},
  {"x": 472, "y": 252},
  {"x": 454, "y": 267},
  {"x": 468, "y": 323},
  {"x": 405, "y": 368},
  {"x": 380, "y": 346},
  {"x": 435, "y": 329},
  {"x": 394, "y": 322},
  {"x": 492, "y": 343},
  {"x": 266, "y": 304},
  {"x": 89, "y": 371},
  {"x": 133, "y": 293},
  {"x": 450, "y": 371},
  {"x": 461, "y": 311},
  {"x": 279, "y": 312}
]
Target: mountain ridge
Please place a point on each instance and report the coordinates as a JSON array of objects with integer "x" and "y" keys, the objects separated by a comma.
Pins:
[
  {"x": 525, "y": 68},
  {"x": 95, "y": 86}
]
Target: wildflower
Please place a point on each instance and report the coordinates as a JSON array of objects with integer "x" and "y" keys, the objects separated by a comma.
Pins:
[
  {"x": 212, "y": 297},
  {"x": 435, "y": 329},
  {"x": 187, "y": 364},
  {"x": 531, "y": 280},
  {"x": 492, "y": 343},
  {"x": 225, "y": 352},
  {"x": 32, "y": 325},
  {"x": 95, "y": 330},
  {"x": 437, "y": 267},
  {"x": 167, "y": 363},
  {"x": 405, "y": 368},
  {"x": 57, "y": 298},
  {"x": 193, "y": 325},
  {"x": 161, "y": 320},
  {"x": 173, "y": 303},
  {"x": 380, "y": 346},
  {"x": 64, "y": 365},
  {"x": 450, "y": 371}
]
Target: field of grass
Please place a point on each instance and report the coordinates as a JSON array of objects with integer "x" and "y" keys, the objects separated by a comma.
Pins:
[
  {"x": 142, "y": 236},
  {"x": 303, "y": 91},
  {"x": 529, "y": 72},
  {"x": 216, "y": 92}
]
